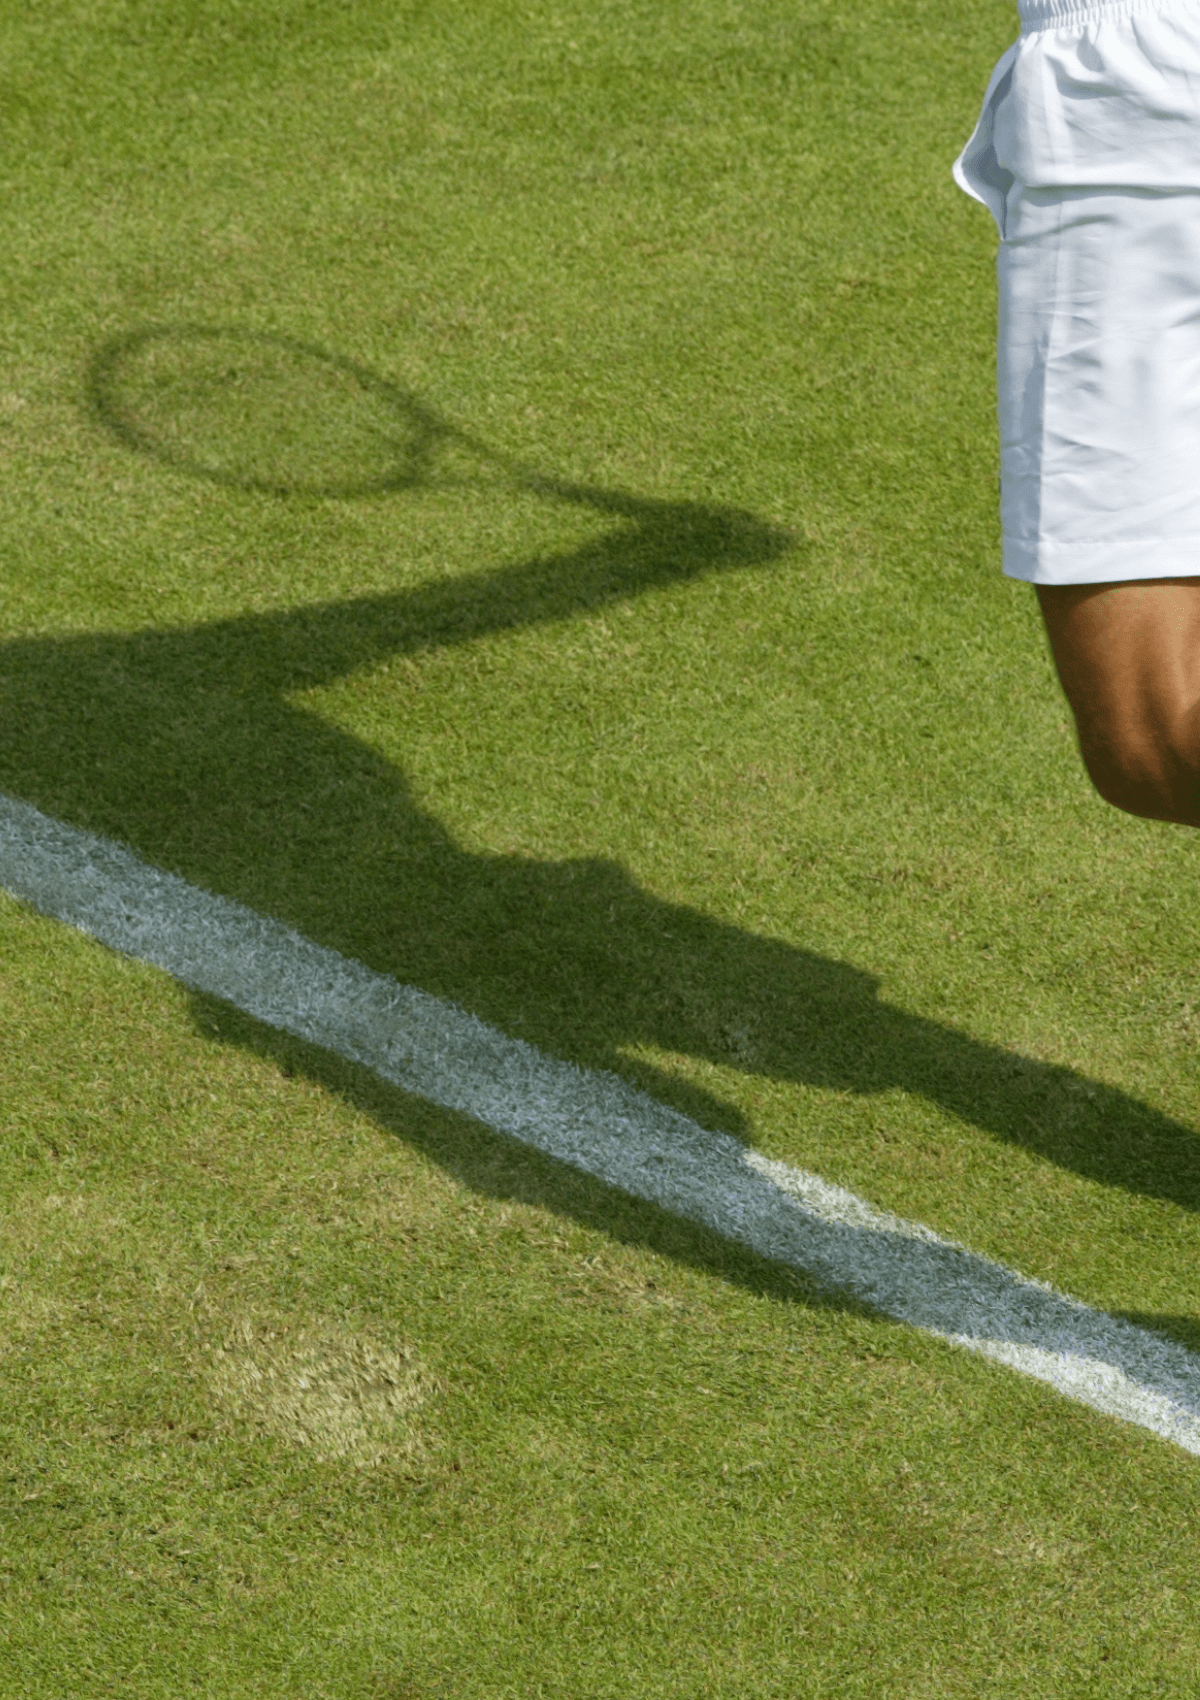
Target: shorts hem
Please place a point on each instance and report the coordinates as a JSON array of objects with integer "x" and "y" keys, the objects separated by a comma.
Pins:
[{"x": 1039, "y": 562}]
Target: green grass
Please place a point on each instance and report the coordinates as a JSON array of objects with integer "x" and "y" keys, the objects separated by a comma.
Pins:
[{"x": 511, "y": 492}]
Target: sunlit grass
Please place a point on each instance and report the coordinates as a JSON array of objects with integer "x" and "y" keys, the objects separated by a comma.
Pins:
[{"x": 511, "y": 493}]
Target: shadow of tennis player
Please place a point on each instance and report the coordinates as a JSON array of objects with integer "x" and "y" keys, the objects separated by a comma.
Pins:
[{"x": 187, "y": 745}]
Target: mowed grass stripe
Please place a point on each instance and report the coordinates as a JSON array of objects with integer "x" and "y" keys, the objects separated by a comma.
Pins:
[{"x": 598, "y": 1123}]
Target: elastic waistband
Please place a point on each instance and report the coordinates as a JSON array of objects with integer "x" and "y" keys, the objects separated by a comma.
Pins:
[{"x": 1057, "y": 14}]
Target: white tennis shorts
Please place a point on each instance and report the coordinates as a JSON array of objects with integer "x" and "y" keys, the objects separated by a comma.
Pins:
[{"x": 1087, "y": 154}]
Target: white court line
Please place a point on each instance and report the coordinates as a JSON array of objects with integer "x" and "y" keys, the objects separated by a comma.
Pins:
[{"x": 598, "y": 1123}]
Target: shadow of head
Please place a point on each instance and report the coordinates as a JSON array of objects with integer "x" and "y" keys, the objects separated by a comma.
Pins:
[{"x": 497, "y": 1167}]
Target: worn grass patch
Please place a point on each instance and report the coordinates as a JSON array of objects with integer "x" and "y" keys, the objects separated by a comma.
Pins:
[{"x": 339, "y": 1394}]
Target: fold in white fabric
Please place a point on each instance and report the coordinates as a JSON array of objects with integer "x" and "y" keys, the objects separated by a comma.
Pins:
[{"x": 1087, "y": 154}]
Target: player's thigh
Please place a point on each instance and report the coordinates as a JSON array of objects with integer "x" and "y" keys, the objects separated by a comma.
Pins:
[{"x": 1128, "y": 655}]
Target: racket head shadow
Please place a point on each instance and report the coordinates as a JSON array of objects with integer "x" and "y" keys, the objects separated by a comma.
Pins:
[
  {"x": 260, "y": 411},
  {"x": 266, "y": 413}
]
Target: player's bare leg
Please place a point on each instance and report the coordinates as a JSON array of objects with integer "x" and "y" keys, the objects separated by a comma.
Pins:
[{"x": 1128, "y": 656}]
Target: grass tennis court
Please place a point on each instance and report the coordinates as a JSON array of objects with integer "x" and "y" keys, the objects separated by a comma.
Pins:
[{"x": 510, "y": 493}]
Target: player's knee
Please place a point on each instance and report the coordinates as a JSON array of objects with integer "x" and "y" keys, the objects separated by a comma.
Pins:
[{"x": 1155, "y": 779}]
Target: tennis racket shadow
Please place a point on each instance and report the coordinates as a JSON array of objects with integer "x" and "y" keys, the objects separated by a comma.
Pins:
[
  {"x": 189, "y": 744},
  {"x": 273, "y": 415}
]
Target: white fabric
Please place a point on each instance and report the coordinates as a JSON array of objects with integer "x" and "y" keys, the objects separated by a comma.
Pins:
[{"x": 1087, "y": 154}]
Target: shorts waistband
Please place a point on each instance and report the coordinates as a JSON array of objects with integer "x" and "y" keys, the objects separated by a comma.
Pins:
[{"x": 1053, "y": 14}]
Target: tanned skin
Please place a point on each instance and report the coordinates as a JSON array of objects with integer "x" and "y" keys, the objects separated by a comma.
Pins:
[{"x": 1128, "y": 656}]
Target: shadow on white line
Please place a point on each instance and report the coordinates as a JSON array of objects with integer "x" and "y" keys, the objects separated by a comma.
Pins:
[{"x": 599, "y": 1124}]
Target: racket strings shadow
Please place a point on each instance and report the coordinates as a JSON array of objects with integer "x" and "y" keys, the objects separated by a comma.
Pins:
[
  {"x": 217, "y": 403},
  {"x": 202, "y": 399}
]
